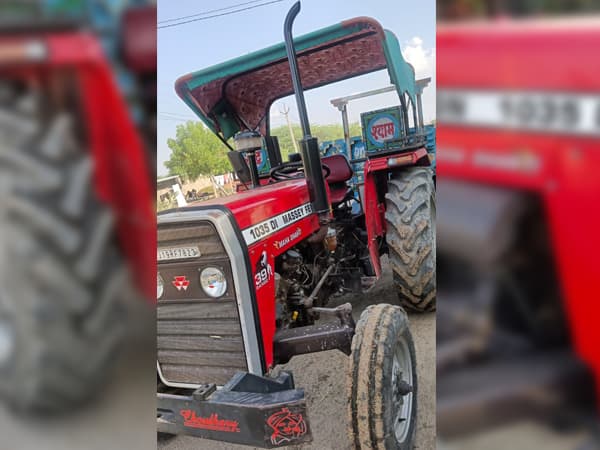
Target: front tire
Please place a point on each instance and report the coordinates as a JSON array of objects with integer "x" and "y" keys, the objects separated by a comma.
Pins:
[
  {"x": 410, "y": 236},
  {"x": 382, "y": 381}
]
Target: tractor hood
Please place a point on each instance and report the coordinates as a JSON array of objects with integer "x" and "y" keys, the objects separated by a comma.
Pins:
[
  {"x": 238, "y": 94},
  {"x": 254, "y": 206}
]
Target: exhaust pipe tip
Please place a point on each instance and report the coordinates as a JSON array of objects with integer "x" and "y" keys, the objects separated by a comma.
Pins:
[{"x": 311, "y": 158}]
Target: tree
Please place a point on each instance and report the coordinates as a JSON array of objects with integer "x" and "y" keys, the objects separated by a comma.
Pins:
[{"x": 196, "y": 151}]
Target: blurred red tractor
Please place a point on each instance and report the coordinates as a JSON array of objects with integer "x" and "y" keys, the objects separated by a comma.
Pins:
[
  {"x": 518, "y": 139},
  {"x": 73, "y": 170}
]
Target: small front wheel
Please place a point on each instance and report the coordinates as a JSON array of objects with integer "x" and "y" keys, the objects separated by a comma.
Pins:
[{"x": 382, "y": 381}]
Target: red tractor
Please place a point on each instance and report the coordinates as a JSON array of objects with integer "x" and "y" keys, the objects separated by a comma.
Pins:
[
  {"x": 73, "y": 171},
  {"x": 243, "y": 280},
  {"x": 518, "y": 138}
]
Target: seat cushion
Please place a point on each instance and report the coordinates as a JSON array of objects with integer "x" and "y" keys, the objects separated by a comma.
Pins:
[{"x": 341, "y": 171}]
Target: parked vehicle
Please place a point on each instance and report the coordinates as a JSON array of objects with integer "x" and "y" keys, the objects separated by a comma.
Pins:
[
  {"x": 517, "y": 150},
  {"x": 243, "y": 280}
]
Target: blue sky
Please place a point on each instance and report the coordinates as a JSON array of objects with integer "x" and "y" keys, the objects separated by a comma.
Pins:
[{"x": 197, "y": 45}]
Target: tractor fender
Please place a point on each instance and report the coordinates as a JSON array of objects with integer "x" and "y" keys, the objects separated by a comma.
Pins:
[
  {"x": 121, "y": 178},
  {"x": 375, "y": 175},
  {"x": 374, "y": 216}
]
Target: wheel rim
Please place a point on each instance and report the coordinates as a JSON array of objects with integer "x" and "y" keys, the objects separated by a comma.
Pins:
[{"x": 402, "y": 382}]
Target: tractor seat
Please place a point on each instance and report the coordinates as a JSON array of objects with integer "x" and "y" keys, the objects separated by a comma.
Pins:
[{"x": 341, "y": 171}]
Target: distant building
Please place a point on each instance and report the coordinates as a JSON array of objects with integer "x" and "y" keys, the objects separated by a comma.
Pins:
[
  {"x": 200, "y": 189},
  {"x": 164, "y": 188}
]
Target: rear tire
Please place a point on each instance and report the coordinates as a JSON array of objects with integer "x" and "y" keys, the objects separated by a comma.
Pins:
[
  {"x": 61, "y": 273},
  {"x": 410, "y": 236},
  {"x": 382, "y": 381}
]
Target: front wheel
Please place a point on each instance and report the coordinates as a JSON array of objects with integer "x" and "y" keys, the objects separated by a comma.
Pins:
[{"x": 382, "y": 381}]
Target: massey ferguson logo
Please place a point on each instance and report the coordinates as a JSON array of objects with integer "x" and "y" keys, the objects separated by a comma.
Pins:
[
  {"x": 263, "y": 272},
  {"x": 181, "y": 283},
  {"x": 382, "y": 128},
  {"x": 287, "y": 426},
  {"x": 209, "y": 423}
]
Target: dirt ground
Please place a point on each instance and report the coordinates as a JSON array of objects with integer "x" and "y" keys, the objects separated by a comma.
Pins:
[
  {"x": 121, "y": 416},
  {"x": 322, "y": 375},
  {"x": 526, "y": 435}
]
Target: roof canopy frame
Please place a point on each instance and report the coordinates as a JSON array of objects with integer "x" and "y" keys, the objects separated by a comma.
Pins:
[{"x": 239, "y": 93}]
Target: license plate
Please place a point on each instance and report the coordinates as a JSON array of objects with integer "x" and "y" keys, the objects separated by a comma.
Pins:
[{"x": 167, "y": 254}]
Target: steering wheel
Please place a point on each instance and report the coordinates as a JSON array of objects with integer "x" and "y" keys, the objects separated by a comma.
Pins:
[{"x": 292, "y": 170}]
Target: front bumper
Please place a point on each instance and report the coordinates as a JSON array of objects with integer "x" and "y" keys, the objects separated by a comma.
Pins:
[{"x": 249, "y": 409}]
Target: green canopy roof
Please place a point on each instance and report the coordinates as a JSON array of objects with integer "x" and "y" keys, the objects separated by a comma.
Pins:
[{"x": 238, "y": 94}]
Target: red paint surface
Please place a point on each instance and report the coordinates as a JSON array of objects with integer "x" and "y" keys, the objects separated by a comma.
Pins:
[
  {"x": 121, "y": 175},
  {"x": 255, "y": 205},
  {"x": 554, "y": 58},
  {"x": 531, "y": 56}
]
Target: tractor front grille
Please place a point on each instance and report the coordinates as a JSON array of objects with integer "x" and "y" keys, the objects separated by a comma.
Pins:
[{"x": 199, "y": 338}]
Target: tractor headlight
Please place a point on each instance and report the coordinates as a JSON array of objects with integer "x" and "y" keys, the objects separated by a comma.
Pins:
[
  {"x": 160, "y": 287},
  {"x": 213, "y": 282}
]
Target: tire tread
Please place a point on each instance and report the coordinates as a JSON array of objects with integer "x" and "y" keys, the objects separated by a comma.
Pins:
[{"x": 410, "y": 237}]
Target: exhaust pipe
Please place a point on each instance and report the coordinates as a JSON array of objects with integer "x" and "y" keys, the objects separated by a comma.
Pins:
[{"x": 309, "y": 146}]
